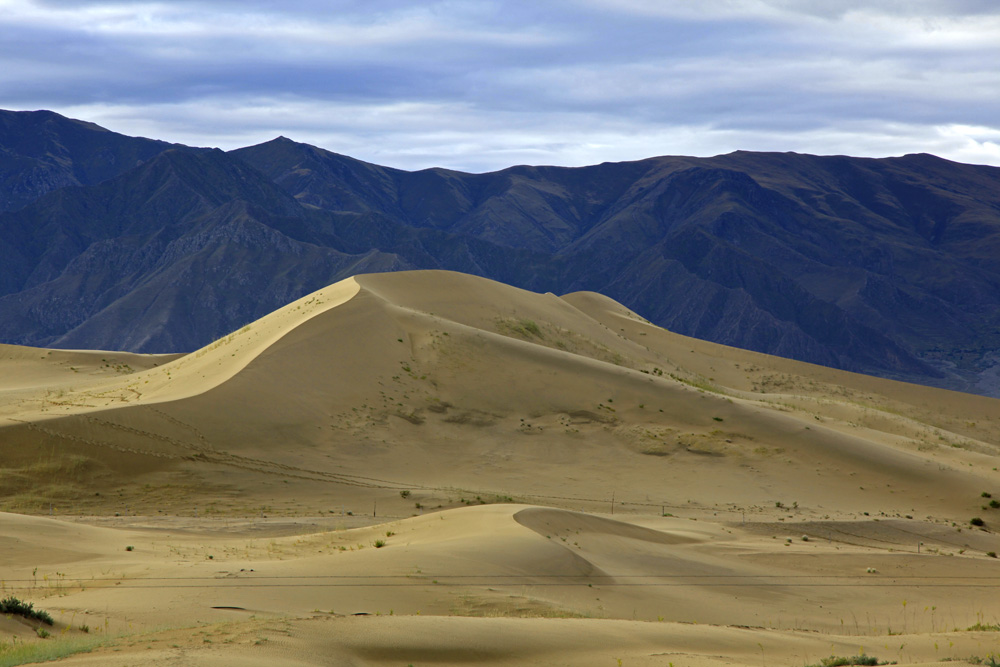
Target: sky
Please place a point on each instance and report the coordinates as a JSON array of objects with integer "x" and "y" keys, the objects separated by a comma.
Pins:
[{"x": 479, "y": 85}]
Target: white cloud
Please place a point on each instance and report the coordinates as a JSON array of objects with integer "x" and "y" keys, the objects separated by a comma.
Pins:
[
  {"x": 479, "y": 85},
  {"x": 416, "y": 136}
]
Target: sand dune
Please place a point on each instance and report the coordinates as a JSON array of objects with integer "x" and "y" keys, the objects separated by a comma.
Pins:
[{"x": 490, "y": 475}]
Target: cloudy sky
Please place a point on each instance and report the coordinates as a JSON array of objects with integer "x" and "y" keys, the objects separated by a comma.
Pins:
[{"x": 482, "y": 84}]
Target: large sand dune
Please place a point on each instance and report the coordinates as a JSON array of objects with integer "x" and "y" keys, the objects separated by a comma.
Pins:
[{"x": 490, "y": 475}]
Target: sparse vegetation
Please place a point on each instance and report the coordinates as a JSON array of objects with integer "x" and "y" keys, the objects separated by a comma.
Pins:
[
  {"x": 980, "y": 627},
  {"x": 990, "y": 660},
  {"x": 976, "y": 521},
  {"x": 519, "y": 327},
  {"x": 378, "y": 544},
  {"x": 404, "y": 494}
]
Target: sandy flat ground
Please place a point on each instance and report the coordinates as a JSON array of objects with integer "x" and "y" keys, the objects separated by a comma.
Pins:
[{"x": 430, "y": 468}]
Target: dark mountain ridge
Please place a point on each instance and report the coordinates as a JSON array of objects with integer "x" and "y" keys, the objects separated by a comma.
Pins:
[
  {"x": 885, "y": 266},
  {"x": 41, "y": 151}
]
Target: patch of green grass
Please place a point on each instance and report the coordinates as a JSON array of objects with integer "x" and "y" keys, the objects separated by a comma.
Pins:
[
  {"x": 22, "y": 653},
  {"x": 12, "y": 605}
]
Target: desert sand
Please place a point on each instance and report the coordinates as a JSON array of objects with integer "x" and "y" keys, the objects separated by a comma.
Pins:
[{"x": 432, "y": 468}]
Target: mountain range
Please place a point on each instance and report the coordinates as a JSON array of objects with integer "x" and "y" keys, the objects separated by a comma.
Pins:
[{"x": 889, "y": 267}]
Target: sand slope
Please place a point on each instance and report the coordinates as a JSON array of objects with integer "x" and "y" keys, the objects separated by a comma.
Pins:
[{"x": 469, "y": 463}]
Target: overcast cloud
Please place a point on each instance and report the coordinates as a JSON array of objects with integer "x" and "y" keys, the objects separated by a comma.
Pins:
[{"x": 480, "y": 85}]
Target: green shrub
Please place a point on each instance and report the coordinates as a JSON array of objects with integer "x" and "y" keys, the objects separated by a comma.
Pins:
[
  {"x": 11, "y": 605},
  {"x": 840, "y": 661},
  {"x": 976, "y": 521}
]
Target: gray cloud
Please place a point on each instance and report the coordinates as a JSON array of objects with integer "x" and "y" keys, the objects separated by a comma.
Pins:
[{"x": 481, "y": 85}]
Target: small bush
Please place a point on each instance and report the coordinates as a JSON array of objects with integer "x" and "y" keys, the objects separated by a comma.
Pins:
[
  {"x": 995, "y": 504},
  {"x": 976, "y": 521},
  {"x": 130, "y": 548},
  {"x": 991, "y": 554},
  {"x": 378, "y": 544},
  {"x": 840, "y": 661},
  {"x": 42, "y": 632},
  {"x": 84, "y": 628},
  {"x": 404, "y": 494},
  {"x": 11, "y": 605},
  {"x": 986, "y": 494}
]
